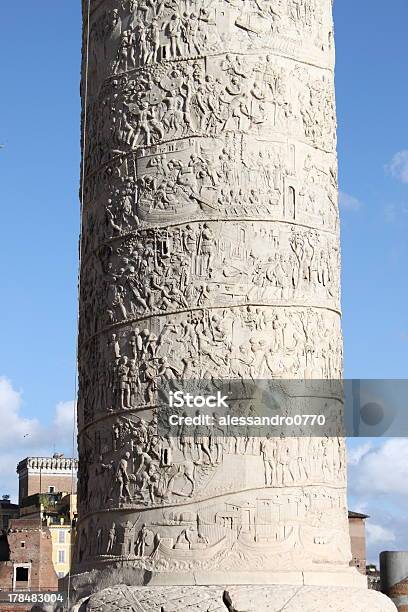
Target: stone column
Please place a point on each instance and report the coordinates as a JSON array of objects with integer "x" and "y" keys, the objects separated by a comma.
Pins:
[{"x": 210, "y": 248}]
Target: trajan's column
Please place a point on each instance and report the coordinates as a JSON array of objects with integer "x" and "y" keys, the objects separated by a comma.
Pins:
[{"x": 210, "y": 248}]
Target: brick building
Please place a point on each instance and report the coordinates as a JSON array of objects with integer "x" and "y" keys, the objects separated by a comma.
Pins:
[
  {"x": 29, "y": 566},
  {"x": 36, "y": 548},
  {"x": 358, "y": 540},
  {"x": 54, "y": 474},
  {"x": 8, "y": 511},
  {"x": 56, "y": 511}
]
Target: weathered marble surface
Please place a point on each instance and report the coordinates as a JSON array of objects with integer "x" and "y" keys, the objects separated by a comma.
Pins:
[
  {"x": 210, "y": 249},
  {"x": 237, "y": 599}
]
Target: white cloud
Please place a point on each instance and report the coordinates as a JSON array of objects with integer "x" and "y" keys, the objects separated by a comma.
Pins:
[
  {"x": 384, "y": 469},
  {"x": 398, "y": 166},
  {"x": 16, "y": 428},
  {"x": 21, "y": 437},
  {"x": 378, "y": 486},
  {"x": 376, "y": 534},
  {"x": 354, "y": 455},
  {"x": 64, "y": 420},
  {"x": 349, "y": 202}
]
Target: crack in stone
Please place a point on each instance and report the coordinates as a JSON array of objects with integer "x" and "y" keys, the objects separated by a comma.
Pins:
[
  {"x": 227, "y": 601},
  {"x": 290, "y": 599}
]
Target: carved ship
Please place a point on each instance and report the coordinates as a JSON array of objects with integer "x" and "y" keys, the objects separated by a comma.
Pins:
[
  {"x": 204, "y": 553},
  {"x": 271, "y": 546}
]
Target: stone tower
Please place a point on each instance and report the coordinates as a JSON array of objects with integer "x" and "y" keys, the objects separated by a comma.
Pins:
[{"x": 210, "y": 248}]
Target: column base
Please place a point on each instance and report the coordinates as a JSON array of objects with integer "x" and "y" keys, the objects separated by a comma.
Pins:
[
  {"x": 242, "y": 598},
  {"x": 93, "y": 581}
]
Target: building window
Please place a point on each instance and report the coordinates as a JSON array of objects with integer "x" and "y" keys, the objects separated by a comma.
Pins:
[
  {"x": 61, "y": 574},
  {"x": 22, "y": 544},
  {"x": 21, "y": 574},
  {"x": 61, "y": 536},
  {"x": 51, "y": 489},
  {"x": 61, "y": 556}
]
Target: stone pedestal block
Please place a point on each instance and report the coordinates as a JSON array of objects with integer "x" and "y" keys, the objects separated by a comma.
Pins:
[{"x": 237, "y": 599}]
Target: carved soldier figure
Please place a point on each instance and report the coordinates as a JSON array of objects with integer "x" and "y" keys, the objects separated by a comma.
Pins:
[
  {"x": 217, "y": 439},
  {"x": 141, "y": 541},
  {"x": 268, "y": 450},
  {"x": 202, "y": 440},
  {"x": 111, "y": 539},
  {"x": 122, "y": 479},
  {"x": 123, "y": 382},
  {"x": 174, "y": 33}
]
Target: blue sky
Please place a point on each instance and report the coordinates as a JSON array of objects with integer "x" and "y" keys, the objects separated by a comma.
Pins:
[
  {"x": 372, "y": 92},
  {"x": 39, "y": 169}
]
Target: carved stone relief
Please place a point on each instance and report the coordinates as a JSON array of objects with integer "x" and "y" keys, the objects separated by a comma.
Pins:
[{"x": 210, "y": 251}]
